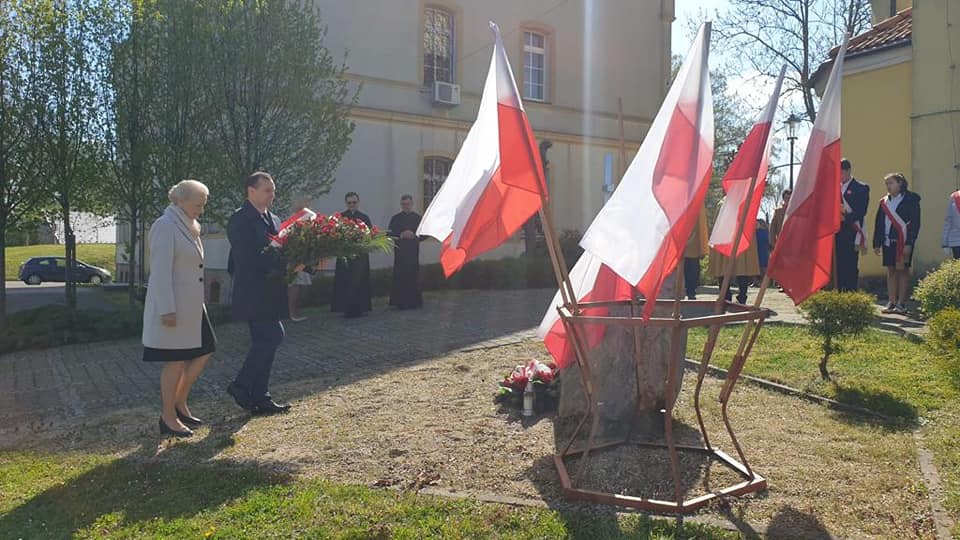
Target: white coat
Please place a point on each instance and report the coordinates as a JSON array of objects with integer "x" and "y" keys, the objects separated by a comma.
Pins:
[{"x": 175, "y": 285}]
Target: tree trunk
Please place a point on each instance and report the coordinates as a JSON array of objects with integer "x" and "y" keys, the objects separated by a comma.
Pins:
[
  {"x": 827, "y": 349},
  {"x": 3, "y": 286},
  {"x": 630, "y": 384},
  {"x": 70, "y": 241},
  {"x": 131, "y": 257}
]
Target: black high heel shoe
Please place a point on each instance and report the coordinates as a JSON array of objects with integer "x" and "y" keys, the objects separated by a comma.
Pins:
[
  {"x": 167, "y": 430},
  {"x": 189, "y": 421}
]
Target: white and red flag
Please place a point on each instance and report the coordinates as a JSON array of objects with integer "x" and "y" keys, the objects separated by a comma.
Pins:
[
  {"x": 802, "y": 260},
  {"x": 304, "y": 214},
  {"x": 642, "y": 230},
  {"x": 592, "y": 281},
  {"x": 752, "y": 161},
  {"x": 496, "y": 182}
]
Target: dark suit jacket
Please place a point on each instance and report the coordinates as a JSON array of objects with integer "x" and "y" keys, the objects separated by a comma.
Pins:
[
  {"x": 909, "y": 212},
  {"x": 857, "y": 196},
  {"x": 259, "y": 274}
]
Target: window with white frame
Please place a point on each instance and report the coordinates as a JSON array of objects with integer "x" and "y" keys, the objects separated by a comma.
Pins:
[
  {"x": 534, "y": 66},
  {"x": 435, "y": 172},
  {"x": 438, "y": 46}
]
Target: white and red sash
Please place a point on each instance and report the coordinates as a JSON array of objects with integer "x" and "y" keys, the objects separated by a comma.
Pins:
[
  {"x": 303, "y": 215},
  {"x": 955, "y": 196},
  {"x": 860, "y": 238},
  {"x": 898, "y": 224}
]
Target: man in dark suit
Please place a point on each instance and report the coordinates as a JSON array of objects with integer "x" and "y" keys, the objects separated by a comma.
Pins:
[
  {"x": 854, "y": 199},
  {"x": 259, "y": 293}
]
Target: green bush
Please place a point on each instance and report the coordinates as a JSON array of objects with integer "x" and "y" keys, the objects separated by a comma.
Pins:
[
  {"x": 940, "y": 289},
  {"x": 945, "y": 331},
  {"x": 834, "y": 315},
  {"x": 51, "y": 326}
]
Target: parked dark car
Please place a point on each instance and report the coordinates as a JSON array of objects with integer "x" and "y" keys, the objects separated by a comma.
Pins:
[{"x": 39, "y": 269}]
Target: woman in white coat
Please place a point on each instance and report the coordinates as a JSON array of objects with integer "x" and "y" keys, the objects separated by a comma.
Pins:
[{"x": 176, "y": 329}]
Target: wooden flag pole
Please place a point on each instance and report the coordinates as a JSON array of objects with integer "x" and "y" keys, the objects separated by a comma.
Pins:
[{"x": 731, "y": 263}]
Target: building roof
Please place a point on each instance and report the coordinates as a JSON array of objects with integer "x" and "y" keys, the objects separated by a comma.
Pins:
[{"x": 894, "y": 32}]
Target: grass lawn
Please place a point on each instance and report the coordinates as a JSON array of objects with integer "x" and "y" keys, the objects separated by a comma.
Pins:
[
  {"x": 877, "y": 370},
  {"x": 102, "y": 255},
  {"x": 85, "y": 496}
]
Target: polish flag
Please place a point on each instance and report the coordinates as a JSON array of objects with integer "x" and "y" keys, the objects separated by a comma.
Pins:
[
  {"x": 496, "y": 183},
  {"x": 642, "y": 230},
  {"x": 802, "y": 260},
  {"x": 304, "y": 214},
  {"x": 751, "y": 162},
  {"x": 592, "y": 281}
]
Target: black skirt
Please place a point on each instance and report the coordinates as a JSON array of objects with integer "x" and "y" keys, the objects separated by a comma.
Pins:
[
  {"x": 208, "y": 344},
  {"x": 890, "y": 256}
]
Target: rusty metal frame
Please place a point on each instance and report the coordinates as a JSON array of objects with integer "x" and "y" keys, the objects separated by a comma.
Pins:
[{"x": 726, "y": 312}]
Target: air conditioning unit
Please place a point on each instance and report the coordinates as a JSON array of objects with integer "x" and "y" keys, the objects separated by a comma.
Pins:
[{"x": 446, "y": 93}]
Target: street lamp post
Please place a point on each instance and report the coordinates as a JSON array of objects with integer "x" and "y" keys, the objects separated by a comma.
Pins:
[{"x": 792, "y": 122}]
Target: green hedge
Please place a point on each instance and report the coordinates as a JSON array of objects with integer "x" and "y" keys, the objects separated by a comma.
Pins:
[
  {"x": 51, "y": 326},
  {"x": 940, "y": 289}
]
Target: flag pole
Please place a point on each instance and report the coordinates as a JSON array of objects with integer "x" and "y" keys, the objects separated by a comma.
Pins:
[
  {"x": 623, "y": 149},
  {"x": 560, "y": 271},
  {"x": 731, "y": 262}
]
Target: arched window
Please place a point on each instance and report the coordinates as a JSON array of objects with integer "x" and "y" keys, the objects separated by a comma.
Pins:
[
  {"x": 435, "y": 171},
  {"x": 438, "y": 46}
]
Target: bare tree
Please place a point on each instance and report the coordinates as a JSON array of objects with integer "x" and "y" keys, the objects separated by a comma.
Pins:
[{"x": 800, "y": 33}]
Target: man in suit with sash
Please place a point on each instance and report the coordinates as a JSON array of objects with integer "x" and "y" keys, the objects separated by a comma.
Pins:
[{"x": 854, "y": 199}]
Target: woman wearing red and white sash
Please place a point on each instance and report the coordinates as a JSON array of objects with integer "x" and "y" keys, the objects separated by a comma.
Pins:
[
  {"x": 950, "y": 241},
  {"x": 895, "y": 232}
]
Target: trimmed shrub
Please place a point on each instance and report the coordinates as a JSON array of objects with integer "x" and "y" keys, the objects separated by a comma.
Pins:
[
  {"x": 940, "y": 289},
  {"x": 834, "y": 315},
  {"x": 51, "y": 326},
  {"x": 945, "y": 331}
]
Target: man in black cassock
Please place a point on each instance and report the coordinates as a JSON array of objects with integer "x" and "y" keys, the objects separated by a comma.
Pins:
[
  {"x": 405, "y": 293},
  {"x": 351, "y": 281}
]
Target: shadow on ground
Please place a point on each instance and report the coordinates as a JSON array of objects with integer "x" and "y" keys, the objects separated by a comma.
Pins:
[{"x": 170, "y": 481}]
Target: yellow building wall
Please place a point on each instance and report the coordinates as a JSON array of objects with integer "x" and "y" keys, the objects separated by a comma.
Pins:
[
  {"x": 876, "y": 136},
  {"x": 935, "y": 125}
]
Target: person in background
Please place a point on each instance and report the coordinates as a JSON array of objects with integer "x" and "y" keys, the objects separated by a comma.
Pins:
[
  {"x": 854, "y": 200},
  {"x": 763, "y": 246},
  {"x": 697, "y": 248},
  {"x": 746, "y": 267},
  {"x": 950, "y": 241},
  {"x": 776, "y": 224},
  {"x": 351, "y": 279},
  {"x": 405, "y": 293},
  {"x": 301, "y": 281},
  {"x": 176, "y": 329},
  {"x": 896, "y": 227}
]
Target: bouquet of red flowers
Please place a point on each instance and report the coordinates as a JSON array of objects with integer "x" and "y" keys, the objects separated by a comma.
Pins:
[
  {"x": 545, "y": 385},
  {"x": 307, "y": 238}
]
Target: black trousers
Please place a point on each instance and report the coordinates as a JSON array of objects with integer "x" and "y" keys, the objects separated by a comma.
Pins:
[
  {"x": 956, "y": 252},
  {"x": 691, "y": 275},
  {"x": 848, "y": 262},
  {"x": 254, "y": 376},
  {"x": 743, "y": 284}
]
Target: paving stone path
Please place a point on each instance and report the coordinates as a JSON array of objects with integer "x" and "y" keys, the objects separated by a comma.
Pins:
[{"x": 66, "y": 383}]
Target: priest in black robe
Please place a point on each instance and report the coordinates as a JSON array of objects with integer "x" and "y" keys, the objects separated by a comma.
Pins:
[
  {"x": 405, "y": 293},
  {"x": 351, "y": 280}
]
